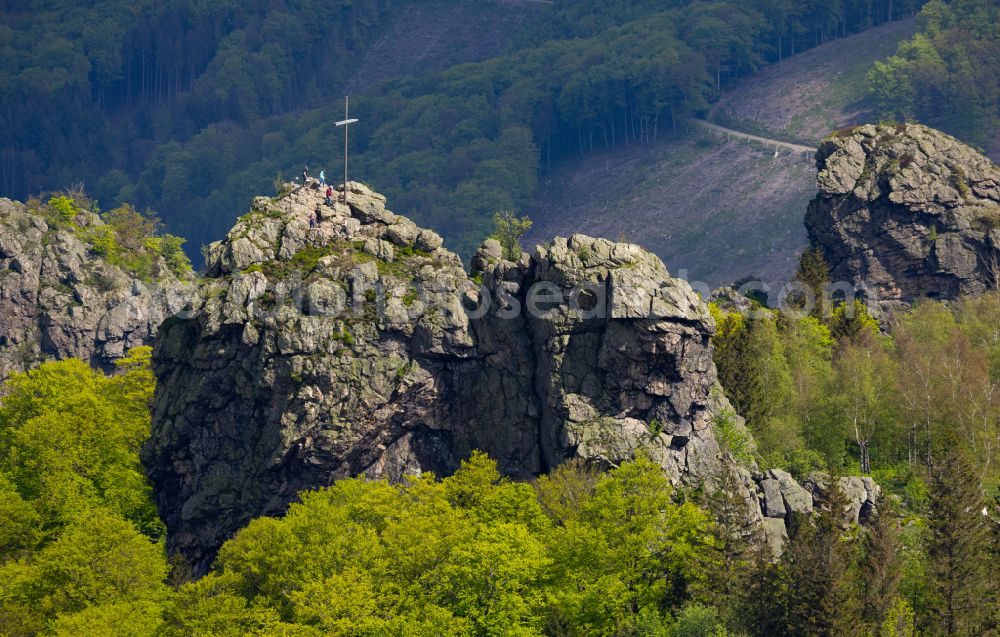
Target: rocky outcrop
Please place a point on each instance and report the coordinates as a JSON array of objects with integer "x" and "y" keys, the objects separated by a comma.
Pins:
[
  {"x": 905, "y": 212},
  {"x": 340, "y": 340},
  {"x": 60, "y": 300},
  {"x": 730, "y": 299}
]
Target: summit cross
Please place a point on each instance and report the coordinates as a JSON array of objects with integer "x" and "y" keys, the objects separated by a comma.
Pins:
[{"x": 346, "y": 123}]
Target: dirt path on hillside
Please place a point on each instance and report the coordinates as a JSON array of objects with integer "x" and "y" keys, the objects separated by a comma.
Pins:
[{"x": 799, "y": 148}]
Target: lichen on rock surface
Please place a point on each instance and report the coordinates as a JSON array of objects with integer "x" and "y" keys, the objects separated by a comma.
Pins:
[
  {"x": 61, "y": 299},
  {"x": 906, "y": 212},
  {"x": 358, "y": 345}
]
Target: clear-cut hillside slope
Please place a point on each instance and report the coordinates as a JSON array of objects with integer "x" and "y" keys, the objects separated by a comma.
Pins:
[
  {"x": 812, "y": 93},
  {"x": 718, "y": 207},
  {"x": 432, "y": 35}
]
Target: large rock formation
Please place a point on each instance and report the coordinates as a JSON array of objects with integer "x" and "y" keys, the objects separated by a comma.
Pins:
[
  {"x": 906, "y": 212},
  {"x": 60, "y": 300},
  {"x": 361, "y": 347}
]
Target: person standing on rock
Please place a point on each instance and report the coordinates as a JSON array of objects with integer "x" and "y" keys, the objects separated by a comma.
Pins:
[
  {"x": 305, "y": 175},
  {"x": 312, "y": 221},
  {"x": 322, "y": 177},
  {"x": 329, "y": 196}
]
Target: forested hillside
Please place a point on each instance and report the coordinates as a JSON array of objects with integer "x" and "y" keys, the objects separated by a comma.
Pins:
[
  {"x": 720, "y": 207},
  {"x": 948, "y": 75},
  {"x": 814, "y": 93},
  {"x": 837, "y": 394},
  {"x": 188, "y": 106},
  {"x": 108, "y": 80}
]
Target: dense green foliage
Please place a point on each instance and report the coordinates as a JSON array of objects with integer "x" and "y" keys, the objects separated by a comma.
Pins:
[
  {"x": 915, "y": 407},
  {"x": 469, "y": 555},
  {"x": 836, "y": 394},
  {"x": 190, "y": 107},
  {"x": 579, "y": 552},
  {"x": 948, "y": 75},
  {"x": 78, "y": 528},
  {"x": 127, "y": 238}
]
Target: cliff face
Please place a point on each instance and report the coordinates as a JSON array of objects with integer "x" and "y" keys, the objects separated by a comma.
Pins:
[
  {"x": 362, "y": 347},
  {"x": 906, "y": 212},
  {"x": 60, "y": 300}
]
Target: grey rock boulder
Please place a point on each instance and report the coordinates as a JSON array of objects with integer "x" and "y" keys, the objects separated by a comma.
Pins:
[
  {"x": 861, "y": 493},
  {"x": 795, "y": 497},
  {"x": 773, "y": 503},
  {"x": 60, "y": 299},
  {"x": 906, "y": 212}
]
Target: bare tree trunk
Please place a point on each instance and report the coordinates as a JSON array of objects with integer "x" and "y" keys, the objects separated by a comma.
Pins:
[
  {"x": 930, "y": 453},
  {"x": 863, "y": 441},
  {"x": 625, "y": 122}
]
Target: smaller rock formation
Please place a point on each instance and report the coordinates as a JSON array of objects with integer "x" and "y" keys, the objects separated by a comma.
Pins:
[
  {"x": 59, "y": 299},
  {"x": 730, "y": 299},
  {"x": 905, "y": 212}
]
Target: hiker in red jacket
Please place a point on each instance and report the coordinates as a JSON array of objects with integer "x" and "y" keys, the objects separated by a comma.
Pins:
[{"x": 329, "y": 196}]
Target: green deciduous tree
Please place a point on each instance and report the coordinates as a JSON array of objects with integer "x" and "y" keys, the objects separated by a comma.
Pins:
[
  {"x": 70, "y": 438},
  {"x": 862, "y": 396},
  {"x": 509, "y": 230},
  {"x": 79, "y": 535},
  {"x": 98, "y": 559},
  {"x": 755, "y": 373},
  {"x": 630, "y": 548}
]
